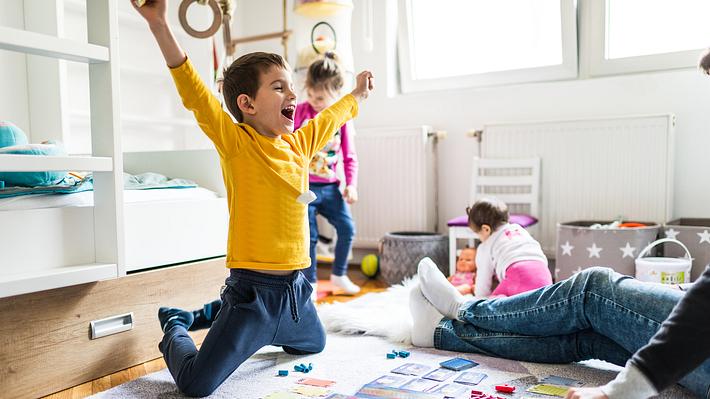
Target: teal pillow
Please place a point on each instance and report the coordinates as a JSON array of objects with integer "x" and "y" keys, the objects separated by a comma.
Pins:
[
  {"x": 33, "y": 179},
  {"x": 11, "y": 135}
]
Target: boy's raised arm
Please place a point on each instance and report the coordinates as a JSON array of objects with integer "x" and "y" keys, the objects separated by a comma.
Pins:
[{"x": 155, "y": 13}]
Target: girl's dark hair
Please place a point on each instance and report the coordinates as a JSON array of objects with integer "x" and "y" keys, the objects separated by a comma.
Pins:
[
  {"x": 487, "y": 211},
  {"x": 325, "y": 74}
]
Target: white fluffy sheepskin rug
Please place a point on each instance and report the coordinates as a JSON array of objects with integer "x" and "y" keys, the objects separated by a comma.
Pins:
[{"x": 383, "y": 314}]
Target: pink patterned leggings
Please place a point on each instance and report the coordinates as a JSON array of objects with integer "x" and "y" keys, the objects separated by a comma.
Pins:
[{"x": 523, "y": 276}]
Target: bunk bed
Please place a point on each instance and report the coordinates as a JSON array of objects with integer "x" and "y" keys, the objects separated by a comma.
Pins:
[{"x": 108, "y": 256}]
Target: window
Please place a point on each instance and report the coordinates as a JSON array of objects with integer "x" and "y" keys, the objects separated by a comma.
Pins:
[
  {"x": 448, "y": 44},
  {"x": 646, "y": 35}
]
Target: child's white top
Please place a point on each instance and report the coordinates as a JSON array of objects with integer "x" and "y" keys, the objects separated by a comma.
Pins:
[{"x": 510, "y": 243}]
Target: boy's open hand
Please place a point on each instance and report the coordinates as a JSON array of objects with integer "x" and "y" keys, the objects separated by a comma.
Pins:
[
  {"x": 364, "y": 84},
  {"x": 154, "y": 11}
]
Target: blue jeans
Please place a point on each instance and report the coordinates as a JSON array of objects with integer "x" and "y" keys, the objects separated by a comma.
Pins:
[
  {"x": 595, "y": 314},
  {"x": 329, "y": 202},
  {"x": 257, "y": 310}
]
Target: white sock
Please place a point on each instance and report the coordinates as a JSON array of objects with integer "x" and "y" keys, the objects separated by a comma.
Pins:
[
  {"x": 438, "y": 290},
  {"x": 425, "y": 319},
  {"x": 344, "y": 283}
]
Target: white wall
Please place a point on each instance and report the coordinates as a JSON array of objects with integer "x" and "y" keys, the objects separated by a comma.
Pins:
[{"x": 686, "y": 93}]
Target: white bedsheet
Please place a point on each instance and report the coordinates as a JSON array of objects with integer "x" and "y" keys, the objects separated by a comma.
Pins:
[{"x": 86, "y": 198}]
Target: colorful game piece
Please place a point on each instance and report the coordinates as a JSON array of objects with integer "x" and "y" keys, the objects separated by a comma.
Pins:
[
  {"x": 505, "y": 388},
  {"x": 458, "y": 364},
  {"x": 480, "y": 395},
  {"x": 283, "y": 373},
  {"x": 391, "y": 356},
  {"x": 303, "y": 368},
  {"x": 403, "y": 354}
]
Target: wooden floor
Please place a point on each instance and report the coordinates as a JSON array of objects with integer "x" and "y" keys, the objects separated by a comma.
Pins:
[{"x": 115, "y": 379}]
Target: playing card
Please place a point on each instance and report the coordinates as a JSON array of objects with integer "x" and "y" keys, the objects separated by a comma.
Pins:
[
  {"x": 315, "y": 382},
  {"x": 393, "y": 381},
  {"x": 458, "y": 364},
  {"x": 439, "y": 375},
  {"x": 547, "y": 389},
  {"x": 470, "y": 378},
  {"x": 451, "y": 390},
  {"x": 557, "y": 380},
  {"x": 420, "y": 385},
  {"x": 310, "y": 391},
  {"x": 411, "y": 369}
]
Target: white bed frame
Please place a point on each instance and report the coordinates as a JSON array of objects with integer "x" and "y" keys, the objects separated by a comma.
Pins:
[
  {"x": 50, "y": 248},
  {"x": 56, "y": 247}
]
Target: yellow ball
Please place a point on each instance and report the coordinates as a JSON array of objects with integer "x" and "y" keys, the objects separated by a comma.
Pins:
[{"x": 369, "y": 265}]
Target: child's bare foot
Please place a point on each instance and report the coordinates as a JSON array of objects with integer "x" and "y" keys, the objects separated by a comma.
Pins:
[{"x": 444, "y": 296}]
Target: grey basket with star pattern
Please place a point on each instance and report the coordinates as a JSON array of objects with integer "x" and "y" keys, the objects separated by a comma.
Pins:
[
  {"x": 695, "y": 234},
  {"x": 580, "y": 247}
]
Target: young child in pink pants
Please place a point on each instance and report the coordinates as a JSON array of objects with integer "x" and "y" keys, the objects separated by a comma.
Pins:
[{"x": 507, "y": 253}]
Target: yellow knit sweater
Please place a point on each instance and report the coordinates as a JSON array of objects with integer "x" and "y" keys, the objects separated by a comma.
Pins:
[{"x": 268, "y": 227}]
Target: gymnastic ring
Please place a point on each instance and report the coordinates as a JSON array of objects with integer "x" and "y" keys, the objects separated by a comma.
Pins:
[
  {"x": 313, "y": 39},
  {"x": 216, "y": 22}
]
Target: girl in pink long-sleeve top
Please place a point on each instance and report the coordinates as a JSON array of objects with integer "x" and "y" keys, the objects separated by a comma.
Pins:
[{"x": 323, "y": 84}]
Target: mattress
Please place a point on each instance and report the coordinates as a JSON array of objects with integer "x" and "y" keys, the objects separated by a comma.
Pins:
[{"x": 86, "y": 198}]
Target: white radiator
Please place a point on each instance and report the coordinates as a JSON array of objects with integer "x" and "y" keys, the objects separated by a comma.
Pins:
[
  {"x": 397, "y": 183},
  {"x": 597, "y": 169}
]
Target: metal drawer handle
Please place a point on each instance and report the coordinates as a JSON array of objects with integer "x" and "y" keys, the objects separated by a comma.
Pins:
[{"x": 111, "y": 325}]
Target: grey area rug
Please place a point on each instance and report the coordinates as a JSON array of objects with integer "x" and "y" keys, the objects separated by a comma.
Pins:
[{"x": 354, "y": 360}]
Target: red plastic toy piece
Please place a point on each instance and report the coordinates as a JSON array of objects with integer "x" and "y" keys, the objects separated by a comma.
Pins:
[{"x": 505, "y": 388}]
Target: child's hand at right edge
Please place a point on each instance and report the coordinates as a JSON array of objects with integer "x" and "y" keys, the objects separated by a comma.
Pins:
[{"x": 364, "y": 84}]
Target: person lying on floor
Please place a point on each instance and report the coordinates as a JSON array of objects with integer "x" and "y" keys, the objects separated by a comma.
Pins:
[{"x": 595, "y": 314}]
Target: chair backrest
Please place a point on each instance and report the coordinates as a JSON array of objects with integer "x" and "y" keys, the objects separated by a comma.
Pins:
[{"x": 513, "y": 181}]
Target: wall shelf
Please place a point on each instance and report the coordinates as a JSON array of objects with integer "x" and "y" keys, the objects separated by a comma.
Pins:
[{"x": 51, "y": 46}]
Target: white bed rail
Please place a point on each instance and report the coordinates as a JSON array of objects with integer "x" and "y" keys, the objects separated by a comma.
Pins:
[{"x": 17, "y": 275}]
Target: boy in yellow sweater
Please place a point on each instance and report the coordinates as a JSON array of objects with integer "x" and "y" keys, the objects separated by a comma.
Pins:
[{"x": 265, "y": 168}]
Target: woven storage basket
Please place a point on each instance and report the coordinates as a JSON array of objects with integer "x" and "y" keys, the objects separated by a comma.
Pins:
[{"x": 401, "y": 252}]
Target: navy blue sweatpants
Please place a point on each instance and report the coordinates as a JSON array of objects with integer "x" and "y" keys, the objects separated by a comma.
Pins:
[{"x": 258, "y": 310}]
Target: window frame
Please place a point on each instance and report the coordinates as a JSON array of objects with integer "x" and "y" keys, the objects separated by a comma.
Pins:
[
  {"x": 599, "y": 65},
  {"x": 568, "y": 69}
]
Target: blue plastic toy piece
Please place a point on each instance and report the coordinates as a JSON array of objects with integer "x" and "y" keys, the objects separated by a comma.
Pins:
[
  {"x": 403, "y": 354},
  {"x": 391, "y": 356},
  {"x": 283, "y": 373}
]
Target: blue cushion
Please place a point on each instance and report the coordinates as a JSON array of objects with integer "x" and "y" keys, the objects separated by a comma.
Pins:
[
  {"x": 33, "y": 179},
  {"x": 11, "y": 135}
]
